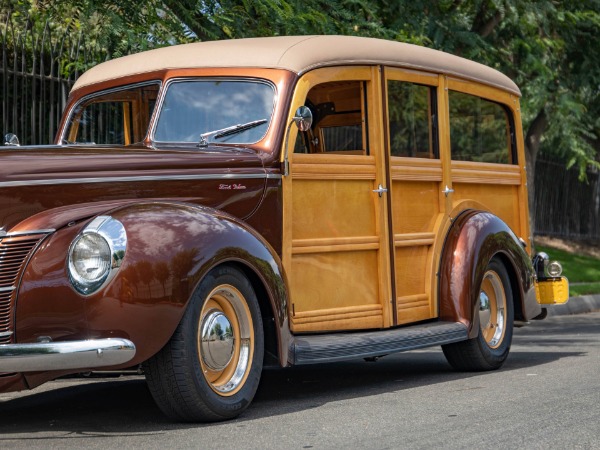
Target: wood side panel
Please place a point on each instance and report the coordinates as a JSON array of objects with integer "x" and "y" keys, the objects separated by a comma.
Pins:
[
  {"x": 412, "y": 288},
  {"x": 415, "y": 206},
  {"x": 500, "y": 200},
  {"x": 325, "y": 282},
  {"x": 333, "y": 208}
]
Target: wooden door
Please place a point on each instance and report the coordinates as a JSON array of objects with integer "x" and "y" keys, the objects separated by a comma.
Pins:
[
  {"x": 417, "y": 203},
  {"x": 335, "y": 226}
]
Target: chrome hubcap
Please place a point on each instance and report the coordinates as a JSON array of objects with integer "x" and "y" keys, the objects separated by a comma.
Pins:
[
  {"x": 217, "y": 340},
  {"x": 492, "y": 309},
  {"x": 225, "y": 340}
]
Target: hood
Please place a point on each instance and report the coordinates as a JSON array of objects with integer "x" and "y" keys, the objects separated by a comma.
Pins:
[{"x": 39, "y": 180}]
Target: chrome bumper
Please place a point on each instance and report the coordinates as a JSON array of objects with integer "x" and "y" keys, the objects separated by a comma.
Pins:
[{"x": 37, "y": 357}]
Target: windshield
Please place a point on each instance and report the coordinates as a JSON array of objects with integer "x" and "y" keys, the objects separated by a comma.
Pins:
[
  {"x": 116, "y": 117},
  {"x": 222, "y": 111}
]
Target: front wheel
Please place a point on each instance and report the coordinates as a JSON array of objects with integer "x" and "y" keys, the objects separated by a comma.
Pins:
[
  {"x": 211, "y": 367},
  {"x": 490, "y": 348}
]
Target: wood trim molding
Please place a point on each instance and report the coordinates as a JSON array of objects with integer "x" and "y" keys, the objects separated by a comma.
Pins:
[
  {"x": 416, "y": 169},
  {"x": 328, "y": 315},
  {"x": 330, "y": 245},
  {"x": 412, "y": 301},
  {"x": 413, "y": 239},
  {"x": 328, "y": 167}
]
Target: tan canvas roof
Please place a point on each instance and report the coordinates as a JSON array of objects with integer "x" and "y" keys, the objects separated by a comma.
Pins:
[{"x": 297, "y": 54}]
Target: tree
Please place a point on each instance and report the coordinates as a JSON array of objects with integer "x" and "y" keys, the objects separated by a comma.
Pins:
[{"x": 548, "y": 47}]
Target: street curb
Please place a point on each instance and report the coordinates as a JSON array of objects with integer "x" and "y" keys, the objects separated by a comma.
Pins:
[{"x": 576, "y": 305}]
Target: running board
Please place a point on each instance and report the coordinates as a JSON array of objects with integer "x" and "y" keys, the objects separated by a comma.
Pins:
[{"x": 311, "y": 349}]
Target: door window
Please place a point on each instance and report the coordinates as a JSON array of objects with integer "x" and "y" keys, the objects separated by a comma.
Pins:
[
  {"x": 339, "y": 124},
  {"x": 411, "y": 113}
]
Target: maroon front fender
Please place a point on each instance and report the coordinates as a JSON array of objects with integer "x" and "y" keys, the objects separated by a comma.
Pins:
[
  {"x": 170, "y": 248},
  {"x": 473, "y": 240}
]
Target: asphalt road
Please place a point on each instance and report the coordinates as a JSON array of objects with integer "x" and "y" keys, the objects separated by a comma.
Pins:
[{"x": 547, "y": 396}]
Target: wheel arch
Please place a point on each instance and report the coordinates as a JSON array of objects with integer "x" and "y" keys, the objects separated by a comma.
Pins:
[
  {"x": 230, "y": 241},
  {"x": 474, "y": 238},
  {"x": 516, "y": 286},
  {"x": 274, "y": 334}
]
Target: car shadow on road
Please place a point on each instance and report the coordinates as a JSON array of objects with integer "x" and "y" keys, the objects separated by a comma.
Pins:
[{"x": 124, "y": 407}]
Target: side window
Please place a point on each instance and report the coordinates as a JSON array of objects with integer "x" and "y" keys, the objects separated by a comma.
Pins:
[
  {"x": 113, "y": 118},
  {"x": 480, "y": 130},
  {"x": 339, "y": 120},
  {"x": 412, "y": 119},
  {"x": 106, "y": 123}
]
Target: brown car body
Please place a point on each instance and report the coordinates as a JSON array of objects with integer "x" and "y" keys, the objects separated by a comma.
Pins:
[{"x": 188, "y": 210}]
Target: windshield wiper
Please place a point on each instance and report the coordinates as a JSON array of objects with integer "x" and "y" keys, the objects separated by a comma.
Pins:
[{"x": 229, "y": 131}]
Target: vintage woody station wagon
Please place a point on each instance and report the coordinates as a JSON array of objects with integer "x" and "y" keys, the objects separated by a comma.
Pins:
[{"x": 214, "y": 207}]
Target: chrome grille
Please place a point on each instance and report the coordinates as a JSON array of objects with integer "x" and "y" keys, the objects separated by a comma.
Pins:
[{"x": 14, "y": 251}]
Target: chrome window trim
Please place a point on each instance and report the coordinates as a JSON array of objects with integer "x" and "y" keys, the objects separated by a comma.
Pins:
[
  {"x": 225, "y": 176},
  {"x": 91, "y": 96},
  {"x": 163, "y": 93}
]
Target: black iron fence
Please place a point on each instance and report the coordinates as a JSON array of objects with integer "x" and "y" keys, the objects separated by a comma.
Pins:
[
  {"x": 37, "y": 70},
  {"x": 564, "y": 206}
]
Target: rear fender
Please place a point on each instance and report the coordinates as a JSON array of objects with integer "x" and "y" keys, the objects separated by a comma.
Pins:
[{"x": 473, "y": 240}]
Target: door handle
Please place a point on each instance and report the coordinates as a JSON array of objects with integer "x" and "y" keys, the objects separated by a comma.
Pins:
[
  {"x": 380, "y": 190},
  {"x": 447, "y": 191}
]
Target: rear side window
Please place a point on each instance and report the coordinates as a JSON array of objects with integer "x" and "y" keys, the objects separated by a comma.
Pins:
[
  {"x": 412, "y": 118},
  {"x": 480, "y": 130}
]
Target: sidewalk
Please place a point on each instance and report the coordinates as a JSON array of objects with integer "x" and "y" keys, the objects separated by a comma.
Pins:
[{"x": 576, "y": 305}]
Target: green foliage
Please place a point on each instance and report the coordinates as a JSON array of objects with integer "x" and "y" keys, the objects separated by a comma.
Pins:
[{"x": 549, "y": 48}]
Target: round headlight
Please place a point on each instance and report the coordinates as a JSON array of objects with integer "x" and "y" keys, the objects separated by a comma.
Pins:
[
  {"x": 554, "y": 269},
  {"x": 90, "y": 261}
]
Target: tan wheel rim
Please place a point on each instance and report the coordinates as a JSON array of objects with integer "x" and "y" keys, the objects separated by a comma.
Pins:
[
  {"x": 492, "y": 309},
  {"x": 225, "y": 340}
]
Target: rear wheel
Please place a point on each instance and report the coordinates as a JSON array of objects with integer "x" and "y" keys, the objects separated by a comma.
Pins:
[
  {"x": 490, "y": 348},
  {"x": 211, "y": 367}
]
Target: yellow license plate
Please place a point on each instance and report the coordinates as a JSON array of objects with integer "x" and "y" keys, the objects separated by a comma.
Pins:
[{"x": 552, "y": 292}]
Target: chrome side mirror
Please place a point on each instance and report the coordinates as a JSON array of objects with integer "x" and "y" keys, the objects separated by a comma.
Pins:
[
  {"x": 303, "y": 120},
  {"x": 11, "y": 140}
]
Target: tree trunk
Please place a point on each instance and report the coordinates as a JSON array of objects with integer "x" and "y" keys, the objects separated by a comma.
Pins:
[{"x": 532, "y": 146}]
